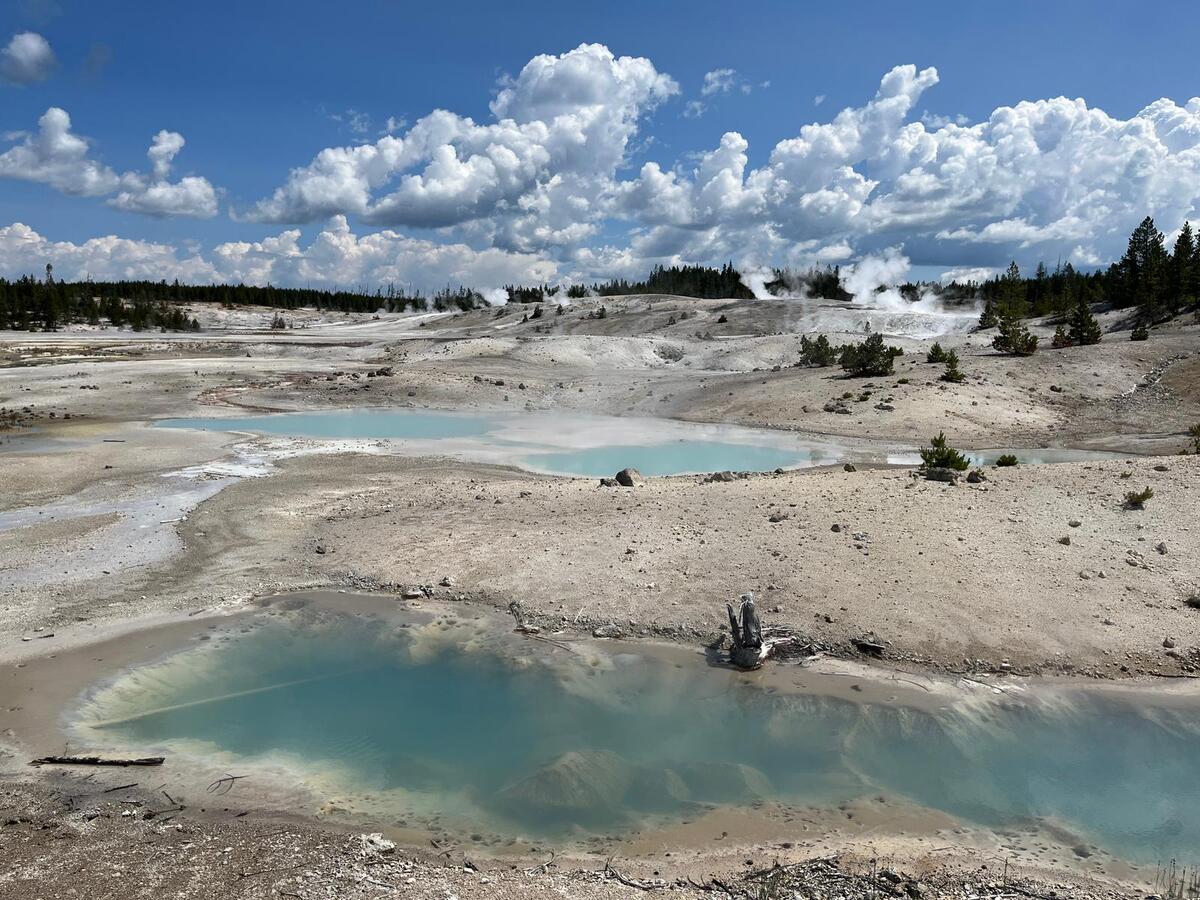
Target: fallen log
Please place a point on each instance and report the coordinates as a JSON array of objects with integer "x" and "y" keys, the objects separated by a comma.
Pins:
[{"x": 96, "y": 761}]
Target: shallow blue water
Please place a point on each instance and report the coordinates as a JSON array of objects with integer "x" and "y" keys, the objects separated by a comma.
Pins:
[
  {"x": 590, "y": 446},
  {"x": 677, "y": 458},
  {"x": 550, "y": 748}
]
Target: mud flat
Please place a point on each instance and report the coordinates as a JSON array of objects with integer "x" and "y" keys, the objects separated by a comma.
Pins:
[{"x": 118, "y": 535}]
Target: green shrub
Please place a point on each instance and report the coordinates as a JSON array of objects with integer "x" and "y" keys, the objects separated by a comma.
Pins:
[
  {"x": 936, "y": 354},
  {"x": 1061, "y": 338},
  {"x": 1007, "y": 459},
  {"x": 818, "y": 352},
  {"x": 940, "y": 455},
  {"x": 1194, "y": 434},
  {"x": 1014, "y": 337},
  {"x": 871, "y": 358},
  {"x": 1140, "y": 332},
  {"x": 1137, "y": 499},
  {"x": 952, "y": 373},
  {"x": 1082, "y": 327}
]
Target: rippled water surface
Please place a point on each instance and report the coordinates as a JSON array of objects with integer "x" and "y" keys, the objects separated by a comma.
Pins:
[{"x": 523, "y": 737}]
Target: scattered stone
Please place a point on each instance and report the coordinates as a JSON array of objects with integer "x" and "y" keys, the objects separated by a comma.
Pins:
[
  {"x": 835, "y": 528},
  {"x": 777, "y": 517},
  {"x": 1074, "y": 523},
  {"x": 629, "y": 478},
  {"x": 608, "y": 482},
  {"x": 1169, "y": 642},
  {"x": 949, "y": 476},
  {"x": 720, "y": 476},
  {"x": 1065, "y": 540},
  {"x": 611, "y": 630},
  {"x": 849, "y": 467},
  {"x": 976, "y": 476},
  {"x": 375, "y": 844},
  {"x": 868, "y": 644}
]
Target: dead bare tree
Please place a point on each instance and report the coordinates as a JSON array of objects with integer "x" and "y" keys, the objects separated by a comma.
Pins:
[{"x": 747, "y": 651}]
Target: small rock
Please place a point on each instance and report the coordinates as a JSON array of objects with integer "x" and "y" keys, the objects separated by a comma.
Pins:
[
  {"x": 849, "y": 467},
  {"x": 1074, "y": 523},
  {"x": 1065, "y": 540},
  {"x": 611, "y": 630},
  {"x": 835, "y": 528},
  {"x": 1169, "y": 642},
  {"x": 375, "y": 844},
  {"x": 976, "y": 476},
  {"x": 1161, "y": 547},
  {"x": 629, "y": 477},
  {"x": 720, "y": 476}
]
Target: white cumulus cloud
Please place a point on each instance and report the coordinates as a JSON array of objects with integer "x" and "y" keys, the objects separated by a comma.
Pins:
[
  {"x": 532, "y": 178},
  {"x": 27, "y": 58},
  {"x": 56, "y": 156},
  {"x": 155, "y": 195}
]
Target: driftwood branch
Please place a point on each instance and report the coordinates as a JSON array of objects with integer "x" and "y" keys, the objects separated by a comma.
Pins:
[
  {"x": 610, "y": 872},
  {"x": 224, "y": 785},
  {"x": 96, "y": 761}
]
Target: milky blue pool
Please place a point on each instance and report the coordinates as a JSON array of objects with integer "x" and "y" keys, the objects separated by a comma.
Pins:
[
  {"x": 516, "y": 736},
  {"x": 585, "y": 445}
]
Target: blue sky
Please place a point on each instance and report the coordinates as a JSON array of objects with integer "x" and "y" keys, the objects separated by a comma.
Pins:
[{"x": 259, "y": 89}]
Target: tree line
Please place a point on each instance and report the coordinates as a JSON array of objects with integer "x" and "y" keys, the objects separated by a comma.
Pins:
[
  {"x": 29, "y": 303},
  {"x": 1155, "y": 282},
  {"x": 1158, "y": 283}
]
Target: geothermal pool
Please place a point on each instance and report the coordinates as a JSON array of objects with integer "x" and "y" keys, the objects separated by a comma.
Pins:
[
  {"x": 482, "y": 730},
  {"x": 561, "y": 443}
]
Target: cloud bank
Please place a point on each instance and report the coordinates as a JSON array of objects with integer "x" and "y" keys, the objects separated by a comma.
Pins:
[
  {"x": 336, "y": 257},
  {"x": 546, "y": 184}
]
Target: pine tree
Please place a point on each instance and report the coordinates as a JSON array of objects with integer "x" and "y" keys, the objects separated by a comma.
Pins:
[
  {"x": 1082, "y": 327},
  {"x": 952, "y": 373},
  {"x": 987, "y": 318},
  {"x": 1143, "y": 269},
  {"x": 1012, "y": 292},
  {"x": 1184, "y": 271},
  {"x": 1014, "y": 337}
]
